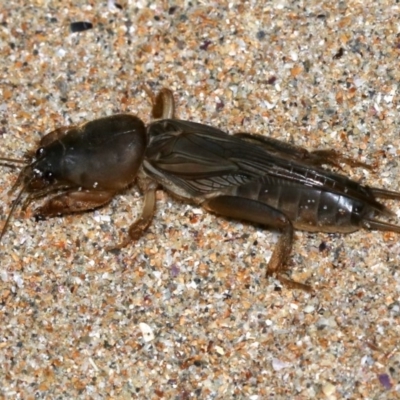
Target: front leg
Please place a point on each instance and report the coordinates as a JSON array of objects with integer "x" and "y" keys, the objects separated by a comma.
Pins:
[
  {"x": 260, "y": 213},
  {"x": 73, "y": 201}
]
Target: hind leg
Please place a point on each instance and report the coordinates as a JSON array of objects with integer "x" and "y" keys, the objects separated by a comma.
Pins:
[{"x": 260, "y": 213}]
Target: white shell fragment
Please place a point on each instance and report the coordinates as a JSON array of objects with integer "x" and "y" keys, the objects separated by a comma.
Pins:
[
  {"x": 220, "y": 350},
  {"x": 147, "y": 332},
  {"x": 278, "y": 365}
]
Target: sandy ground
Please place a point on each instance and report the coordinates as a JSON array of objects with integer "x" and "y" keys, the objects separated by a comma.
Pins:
[{"x": 186, "y": 312}]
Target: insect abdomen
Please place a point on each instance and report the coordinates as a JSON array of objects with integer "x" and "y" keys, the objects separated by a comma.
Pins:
[{"x": 308, "y": 208}]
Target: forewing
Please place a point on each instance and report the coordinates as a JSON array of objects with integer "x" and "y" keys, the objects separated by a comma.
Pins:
[
  {"x": 190, "y": 150},
  {"x": 203, "y": 158}
]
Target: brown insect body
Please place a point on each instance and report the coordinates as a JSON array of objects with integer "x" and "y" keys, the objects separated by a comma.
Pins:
[{"x": 242, "y": 176}]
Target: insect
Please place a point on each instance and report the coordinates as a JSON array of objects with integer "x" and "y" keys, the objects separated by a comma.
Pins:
[{"x": 242, "y": 176}]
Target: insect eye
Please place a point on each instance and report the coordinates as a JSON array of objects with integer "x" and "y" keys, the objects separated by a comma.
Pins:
[{"x": 40, "y": 152}]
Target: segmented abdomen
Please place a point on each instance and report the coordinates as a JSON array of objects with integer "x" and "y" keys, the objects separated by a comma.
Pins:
[{"x": 308, "y": 208}]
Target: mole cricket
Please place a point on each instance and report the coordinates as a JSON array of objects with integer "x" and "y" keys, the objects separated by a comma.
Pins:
[{"x": 247, "y": 177}]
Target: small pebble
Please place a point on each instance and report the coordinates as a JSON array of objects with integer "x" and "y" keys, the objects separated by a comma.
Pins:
[
  {"x": 278, "y": 365},
  {"x": 309, "y": 309},
  {"x": 384, "y": 379},
  {"x": 328, "y": 389},
  {"x": 80, "y": 26}
]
